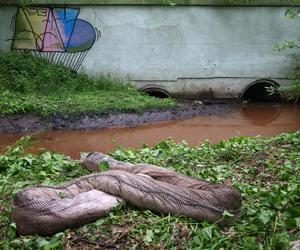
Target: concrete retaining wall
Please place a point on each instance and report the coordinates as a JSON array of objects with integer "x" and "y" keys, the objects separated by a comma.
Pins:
[{"x": 190, "y": 51}]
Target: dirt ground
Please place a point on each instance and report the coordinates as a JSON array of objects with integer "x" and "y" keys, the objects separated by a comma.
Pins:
[{"x": 31, "y": 122}]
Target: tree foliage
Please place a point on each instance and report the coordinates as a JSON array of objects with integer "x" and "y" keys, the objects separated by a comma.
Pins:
[{"x": 293, "y": 89}]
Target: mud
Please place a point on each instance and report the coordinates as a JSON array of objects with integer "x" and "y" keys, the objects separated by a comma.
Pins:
[
  {"x": 32, "y": 123},
  {"x": 238, "y": 120}
]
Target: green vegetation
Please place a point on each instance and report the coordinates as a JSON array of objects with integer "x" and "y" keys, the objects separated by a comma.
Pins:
[
  {"x": 31, "y": 85},
  {"x": 293, "y": 89},
  {"x": 265, "y": 170}
]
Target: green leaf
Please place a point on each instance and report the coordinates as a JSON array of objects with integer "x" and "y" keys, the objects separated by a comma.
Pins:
[
  {"x": 207, "y": 231},
  {"x": 264, "y": 216},
  {"x": 197, "y": 240},
  {"x": 29, "y": 160},
  {"x": 42, "y": 242},
  {"x": 47, "y": 156},
  {"x": 62, "y": 195},
  {"x": 226, "y": 214},
  {"x": 149, "y": 236},
  {"x": 297, "y": 220},
  {"x": 294, "y": 211},
  {"x": 11, "y": 232},
  {"x": 103, "y": 166}
]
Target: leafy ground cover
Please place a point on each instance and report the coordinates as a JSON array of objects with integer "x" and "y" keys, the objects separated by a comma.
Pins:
[
  {"x": 265, "y": 170},
  {"x": 31, "y": 85}
]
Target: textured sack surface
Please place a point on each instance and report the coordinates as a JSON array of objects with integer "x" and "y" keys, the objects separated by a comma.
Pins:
[
  {"x": 46, "y": 210},
  {"x": 43, "y": 211}
]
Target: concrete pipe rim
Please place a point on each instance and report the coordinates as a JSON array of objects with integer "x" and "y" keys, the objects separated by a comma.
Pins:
[
  {"x": 156, "y": 91},
  {"x": 247, "y": 92}
]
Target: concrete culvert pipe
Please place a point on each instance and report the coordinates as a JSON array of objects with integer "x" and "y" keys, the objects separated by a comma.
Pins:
[
  {"x": 258, "y": 92},
  {"x": 156, "y": 92}
]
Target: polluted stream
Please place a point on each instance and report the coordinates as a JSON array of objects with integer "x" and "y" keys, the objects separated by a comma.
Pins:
[{"x": 241, "y": 120}]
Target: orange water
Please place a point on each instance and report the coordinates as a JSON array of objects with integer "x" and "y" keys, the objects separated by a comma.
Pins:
[{"x": 250, "y": 120}]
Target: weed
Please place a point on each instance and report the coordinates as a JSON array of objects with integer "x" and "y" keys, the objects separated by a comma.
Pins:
[
  {"x": 265, "y": 170},
  {"x": 32, "y": 85}
]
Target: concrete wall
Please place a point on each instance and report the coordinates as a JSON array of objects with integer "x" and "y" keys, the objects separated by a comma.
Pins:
[{"x": 195, "y": 51}]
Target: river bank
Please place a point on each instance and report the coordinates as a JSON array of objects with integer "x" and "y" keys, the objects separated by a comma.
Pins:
[
  {"x": 218, "y": 122},
  {"x": 36, "y": 95},
  {"x": 32, "y": 123}
]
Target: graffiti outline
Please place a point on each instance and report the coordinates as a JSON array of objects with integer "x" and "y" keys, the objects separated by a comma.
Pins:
[{"x": 54, "y": 33}]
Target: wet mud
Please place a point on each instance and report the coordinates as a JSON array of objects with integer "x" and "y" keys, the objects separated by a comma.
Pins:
[
  {"x": 222, "y": 123},
  {"x": 32, "y": 123}
]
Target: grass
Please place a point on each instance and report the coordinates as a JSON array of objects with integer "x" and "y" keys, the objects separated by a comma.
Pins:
[
  {"x": 32, "y": 85},
  {"x": 265, "y": 170}
]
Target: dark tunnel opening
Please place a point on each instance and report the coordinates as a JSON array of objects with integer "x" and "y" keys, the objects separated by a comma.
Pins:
[
  {"x": 158, "y": 93},
  {"x": 258, "y": 92}
]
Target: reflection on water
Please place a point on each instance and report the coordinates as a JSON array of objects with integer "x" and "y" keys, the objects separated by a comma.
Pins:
[
  {"x": 262, "y": 114},
  {"x": 250, "y": 120}
]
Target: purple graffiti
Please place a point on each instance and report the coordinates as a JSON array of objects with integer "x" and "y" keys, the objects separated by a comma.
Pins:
[{"x": 49, "y": 30}]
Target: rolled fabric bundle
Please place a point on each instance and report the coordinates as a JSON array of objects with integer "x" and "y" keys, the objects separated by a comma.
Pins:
[{"x": 45, "y": 210}]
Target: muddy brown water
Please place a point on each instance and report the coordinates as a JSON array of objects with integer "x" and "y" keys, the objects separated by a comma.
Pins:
[{"x": 250, "y": 120}]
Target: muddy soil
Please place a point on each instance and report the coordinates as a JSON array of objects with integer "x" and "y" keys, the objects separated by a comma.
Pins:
[{"x": 32, "y": 123}]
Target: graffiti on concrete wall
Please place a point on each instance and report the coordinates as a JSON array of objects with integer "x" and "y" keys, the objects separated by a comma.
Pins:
[{"x": 56, "y": 34}]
